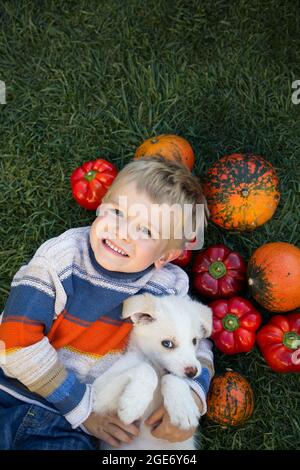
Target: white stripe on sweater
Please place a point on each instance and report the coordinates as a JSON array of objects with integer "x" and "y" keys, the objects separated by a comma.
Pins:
[{"x": 30, "y": 363}]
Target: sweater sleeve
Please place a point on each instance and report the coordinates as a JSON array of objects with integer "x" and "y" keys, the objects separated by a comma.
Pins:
[
  {"x": 36, "y": 297},
  {"x": 201, "y": 383}
]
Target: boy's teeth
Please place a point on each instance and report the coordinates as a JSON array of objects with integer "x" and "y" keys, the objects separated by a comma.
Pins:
[{"x": 115, "y": 249}]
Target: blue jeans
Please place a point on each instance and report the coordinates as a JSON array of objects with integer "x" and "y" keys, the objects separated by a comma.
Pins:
[{"x": 31, "y": 427}]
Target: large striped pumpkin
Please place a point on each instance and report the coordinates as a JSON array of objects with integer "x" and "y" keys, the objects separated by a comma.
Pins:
[
  {"x": 241, "y": 191},
  {"x": 230, "y": 400},
  {"x": 274, "y": 276}
]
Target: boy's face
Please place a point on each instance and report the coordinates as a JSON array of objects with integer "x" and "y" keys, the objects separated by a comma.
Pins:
[{"x": 134, "y": 232}]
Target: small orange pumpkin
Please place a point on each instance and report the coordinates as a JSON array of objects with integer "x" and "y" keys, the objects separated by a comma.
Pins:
[
  {"x": 169, "y": 146},
  {"x": 241, "y": 191},
  {"x": 274, "y": 276},
  {"x": 230, "y": 401}
]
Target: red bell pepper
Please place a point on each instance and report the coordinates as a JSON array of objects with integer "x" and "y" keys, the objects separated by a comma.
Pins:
[
  {"x": 91, "y": 181},
  {"x": 183, "y": 259},
  {"x": 219, "y": 272},
  {"x": 279, "y": 342},
  {"x": 235, "y": 322}
]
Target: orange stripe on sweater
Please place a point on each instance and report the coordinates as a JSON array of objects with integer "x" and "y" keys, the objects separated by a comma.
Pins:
[
  {"x": 19, "y": 335},
  {"x": 99, "y": 338}
]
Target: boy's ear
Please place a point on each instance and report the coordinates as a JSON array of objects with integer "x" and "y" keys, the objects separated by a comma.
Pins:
[
  {"x": 168, "y": 257},
  {"x": 140, "y": 308}
]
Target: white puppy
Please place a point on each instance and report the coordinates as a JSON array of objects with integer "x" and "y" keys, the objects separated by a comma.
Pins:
[{"x": 160, "y": 355}]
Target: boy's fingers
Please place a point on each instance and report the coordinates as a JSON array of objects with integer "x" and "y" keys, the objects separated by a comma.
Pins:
[
  {"x": 156, "y": 417},
  {"x": 110, "y": 440},
  {"x": 119, "y": 434},
  {"x": 132, "y": 429},
  {"x": 159, "y": 432},
  {"x": 171, "y": 433}
]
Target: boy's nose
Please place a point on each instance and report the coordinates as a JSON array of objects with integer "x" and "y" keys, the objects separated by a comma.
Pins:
[{"x": 190, "y": 371}]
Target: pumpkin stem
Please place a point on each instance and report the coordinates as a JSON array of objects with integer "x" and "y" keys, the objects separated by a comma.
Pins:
[
  {"x": 291, "y": 340},
  {"x": 230, "y": 322},
  {"x": 245, "y": 192},
  {"x": 154, "y": 140},
  {"x": 90, "y": 175},
  {"x": 217, "y": 269}
]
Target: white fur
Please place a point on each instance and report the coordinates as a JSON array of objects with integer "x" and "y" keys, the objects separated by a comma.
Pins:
[{"x": 137, "y": 384}]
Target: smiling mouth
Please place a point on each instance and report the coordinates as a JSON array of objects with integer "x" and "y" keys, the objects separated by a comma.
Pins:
[{"x": 114, "y": 248}]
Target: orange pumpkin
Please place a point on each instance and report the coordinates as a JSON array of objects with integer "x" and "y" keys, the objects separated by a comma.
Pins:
[
  {"x": 274, "y": 276},
  {"x": 169, "y": 146},
  {"x": 241, "y": 191},
  {"x": 230, "y": 400}
]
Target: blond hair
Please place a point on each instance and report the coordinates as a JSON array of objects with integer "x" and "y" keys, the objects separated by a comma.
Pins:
[{"x": 163, "y": 181}]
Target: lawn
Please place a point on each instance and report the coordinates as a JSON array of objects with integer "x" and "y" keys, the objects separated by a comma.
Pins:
[{"x": 90, "y": 78}]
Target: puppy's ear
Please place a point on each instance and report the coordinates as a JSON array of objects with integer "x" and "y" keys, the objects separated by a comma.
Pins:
[
  {"x": 205, "y": 321},
  {"x": 140, "y": 308},
  {"x": 202, "y": 318},
  {"x": 140, "y": 318}
]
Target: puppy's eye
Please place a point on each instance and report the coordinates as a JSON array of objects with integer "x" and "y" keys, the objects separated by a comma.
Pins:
[
  {"x": 168, "y": 344},
  {"x": 194, "y": 341}
]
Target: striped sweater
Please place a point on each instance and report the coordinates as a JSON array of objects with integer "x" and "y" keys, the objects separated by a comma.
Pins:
[{"x": 61, "y": 325}]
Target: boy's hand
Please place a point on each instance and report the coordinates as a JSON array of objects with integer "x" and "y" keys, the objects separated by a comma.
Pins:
[
  {"x": 164, "y": 429},
  {"x": 110, "y": 429},
  {"x": 197, "y": 400}
]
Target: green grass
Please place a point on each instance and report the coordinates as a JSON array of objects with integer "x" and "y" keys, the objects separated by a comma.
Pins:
[{"x": 91, "y": 78}]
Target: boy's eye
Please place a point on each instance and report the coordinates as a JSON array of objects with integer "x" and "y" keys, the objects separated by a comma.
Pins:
[
  {"x": 147, "y": 231},
  {"x": 117, "y": 211},
  {"x": 194, "y": 341}
]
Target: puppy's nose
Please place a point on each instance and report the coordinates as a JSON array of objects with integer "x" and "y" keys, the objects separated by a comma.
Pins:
[{"x": 190, "y": 371}]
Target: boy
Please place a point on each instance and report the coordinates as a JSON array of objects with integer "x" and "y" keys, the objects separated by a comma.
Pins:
[{"x": 61, "y": 324}]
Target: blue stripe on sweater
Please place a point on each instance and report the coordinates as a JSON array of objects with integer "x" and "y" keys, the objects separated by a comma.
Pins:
[
  {"x": 90, "y": 302},
  {"x": 86, "y": 302},
  {"x": 67, "y": 396},
  {"x": 26, "y": 301}
]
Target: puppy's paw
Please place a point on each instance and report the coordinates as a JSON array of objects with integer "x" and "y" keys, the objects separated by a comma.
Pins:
[
  {"x": 179, "y": 402},
  {"x": 132, "y": 407},
  {"x": 138, "y": 394},
  {"x": 107, "y": 395},
  {"x": 103, "y": 404},
  {"x": 105, "y": 401}
]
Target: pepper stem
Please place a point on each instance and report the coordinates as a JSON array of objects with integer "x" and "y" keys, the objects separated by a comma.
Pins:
[
  {"x": 291, "y": 340},
  {"x": 230, "y": 322},
  {"x": 217, "y": 269},
  {"x": 90, "y": 175}
]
